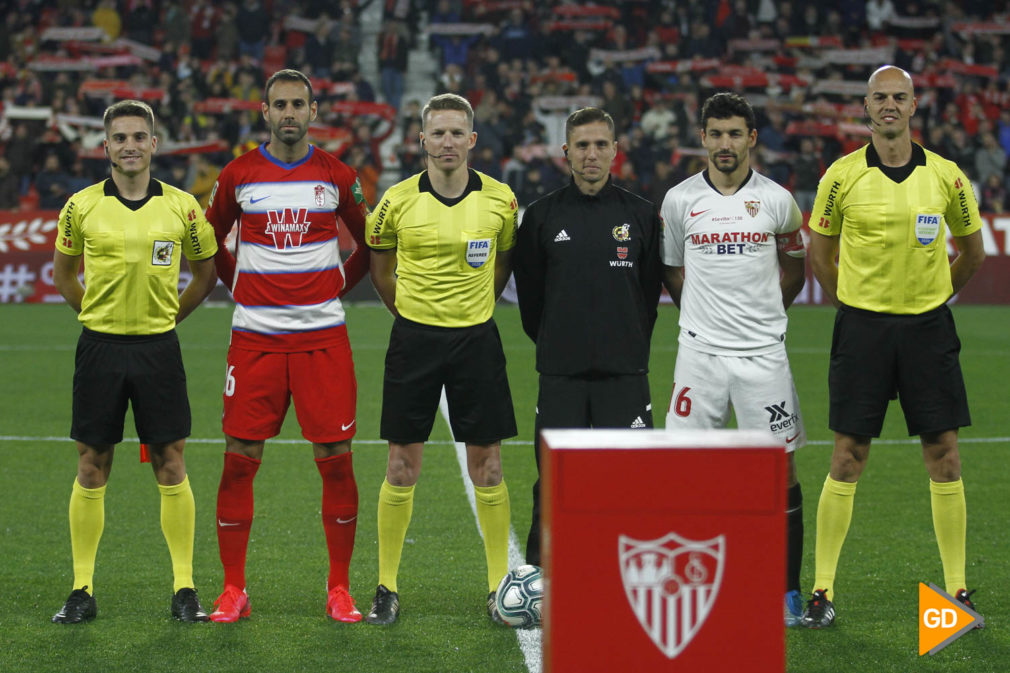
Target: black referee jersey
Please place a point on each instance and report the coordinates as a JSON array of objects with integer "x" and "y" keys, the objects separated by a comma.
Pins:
[{"x": 587, "y": 272}]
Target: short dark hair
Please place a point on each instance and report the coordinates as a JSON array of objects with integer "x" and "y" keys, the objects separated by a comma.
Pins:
[
  {"x": 287, "y": 75},
  {"x": 128, "y": 108},
  {"x": 725, "y": 105},
  {"x": 448, "y": 101},
  {"x": 588, "y": 115}
]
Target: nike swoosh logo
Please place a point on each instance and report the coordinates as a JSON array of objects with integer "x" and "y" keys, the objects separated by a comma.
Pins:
[
  {"x": 789, "y": 440},
  {"x": 225, "y": 523},
  {"x": 339, "y": 520},
  {"x": 260, "y": 198},
  {"x": 345, "y": 427},
  {"x": 693, "y": 214}
]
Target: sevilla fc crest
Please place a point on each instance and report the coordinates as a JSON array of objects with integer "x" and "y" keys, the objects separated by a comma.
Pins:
[
  {"x": 752, "y": 207},
  {"x": 671, "y": 584}
]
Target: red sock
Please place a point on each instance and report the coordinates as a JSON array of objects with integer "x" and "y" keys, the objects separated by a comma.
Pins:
[
  {"x": 235, "y": 514},
  {"x": 340, "y": 514}
]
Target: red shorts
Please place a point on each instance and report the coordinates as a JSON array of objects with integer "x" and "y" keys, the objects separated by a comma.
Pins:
[{"x": 259, "y": 387}]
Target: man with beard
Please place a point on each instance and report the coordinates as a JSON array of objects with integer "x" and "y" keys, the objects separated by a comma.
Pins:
[
  {"x": 289, "y": 340},
  {"x": 733, "y": 262}
]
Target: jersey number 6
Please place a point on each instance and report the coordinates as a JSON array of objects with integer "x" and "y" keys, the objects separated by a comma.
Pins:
[
  {"x": 229, "y": 382},
  {"x": 681, "y": 404}
]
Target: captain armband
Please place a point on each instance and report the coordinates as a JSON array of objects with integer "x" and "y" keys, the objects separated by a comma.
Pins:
[{"x": 791, "y": 244}]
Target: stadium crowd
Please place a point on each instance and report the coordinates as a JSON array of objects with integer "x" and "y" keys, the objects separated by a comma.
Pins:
[{"x": 523, "y": 65}]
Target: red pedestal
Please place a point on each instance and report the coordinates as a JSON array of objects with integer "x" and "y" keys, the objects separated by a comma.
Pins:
[{"x": 663, "y": 551}]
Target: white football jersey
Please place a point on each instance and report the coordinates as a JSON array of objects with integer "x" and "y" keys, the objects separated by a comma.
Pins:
[{"x": 731, "y": 302}]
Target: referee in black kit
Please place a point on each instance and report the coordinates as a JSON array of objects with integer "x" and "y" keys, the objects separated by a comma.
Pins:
[{"x": 587, "y": 273}]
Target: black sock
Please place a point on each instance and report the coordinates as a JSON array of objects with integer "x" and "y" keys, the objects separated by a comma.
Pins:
[{"x": 794, "y": 537}]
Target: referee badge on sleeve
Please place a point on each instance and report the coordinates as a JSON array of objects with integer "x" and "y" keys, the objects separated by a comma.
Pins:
[
  {"x": 478, "y": 251},
  {"x": 161, "y": 254},
  {"x": 927, "y": 226}
]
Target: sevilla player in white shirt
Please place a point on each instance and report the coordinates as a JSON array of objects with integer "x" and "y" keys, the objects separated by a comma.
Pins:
[
  {"x": 733, "y": 262},
  {"x": 289, "y": 341}
]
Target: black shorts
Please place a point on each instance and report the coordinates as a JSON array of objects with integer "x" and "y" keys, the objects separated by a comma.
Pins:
[
  {"x": 146, "y": 370},
  {"x": 877, "y": 355},
  {"x": 468, "y": 361},
  {"x": 620, "y": 401}
]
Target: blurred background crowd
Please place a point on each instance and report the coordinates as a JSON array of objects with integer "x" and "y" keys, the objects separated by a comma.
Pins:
[{"x": 524, "y": 66}]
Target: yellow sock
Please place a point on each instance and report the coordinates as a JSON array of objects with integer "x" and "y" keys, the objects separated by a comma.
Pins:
[
  {"x": 834, "y": 513},
  {"x": 950, "y": 523},
  {"x": 178, "y": 521},
  {"x": 87, "y": 521},
  {"x": 494, "y": 512},
  {"x": 396, "y": 505}
]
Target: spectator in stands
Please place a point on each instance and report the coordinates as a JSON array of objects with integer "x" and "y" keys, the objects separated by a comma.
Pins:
[
  {"x": 203, "y": 27},
  {"x": 807, "y": 170},
  {"x": 665, "y": 176},
  {"x": 106, "y": 17},
  {"x": 993, "y": 195},
  {"x": 176, "y": 22},
  {"x": 990, "y": 159},
  {"x": 879, "y": 13},
  {"x": 52, "y": 184},
  {"x": 486, "y": 162},
  {"x": 393, "y": 51},
  {"x": 253, "y": 23},
  {"x": 20, "y": 151},
  {"x": 515, "y": 38},
  {"x": 201, "y": 177},
  {"x": 10, "y": 190},
  {"x": 657, "y": 119},
  {"x": 618, "y": 106},
  {"x": 140, "y": 23},
  {"x": 409, "y": 152},
  {"x": 318, "y": 48},
  {"x": 226, "y": 37}
]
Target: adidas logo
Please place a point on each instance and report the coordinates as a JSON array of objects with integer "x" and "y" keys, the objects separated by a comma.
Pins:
[
  {"x": 562, "y": 236},
  {"x": 638, "y": 423}
]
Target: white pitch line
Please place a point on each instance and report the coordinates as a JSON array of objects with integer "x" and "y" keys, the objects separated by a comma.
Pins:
[
  {"x": 529, "y": 639},
  {"x": 515, "y": 442}
]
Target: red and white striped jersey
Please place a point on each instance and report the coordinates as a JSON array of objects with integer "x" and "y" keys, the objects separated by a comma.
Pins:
[{"x": 286, "y": 276}]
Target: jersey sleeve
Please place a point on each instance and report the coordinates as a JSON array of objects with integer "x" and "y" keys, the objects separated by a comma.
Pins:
[
  {"x": 788, "y": 237},
  {"x": 70, "y": 241},
  {"x": 199, "y": 241},
  {"x": 381, "y": 224},
  {"x": 222, "y": 212},
  {"x": 672, "y": 232},
  {"x": 352, "y": 212},
  {"x": 962, "y": 214},
  {"x": 826, "y": 215},
  {"x": 510, "y": 215}
]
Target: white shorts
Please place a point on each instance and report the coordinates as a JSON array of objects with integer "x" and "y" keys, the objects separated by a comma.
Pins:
[{"x": 759, "y": 389}]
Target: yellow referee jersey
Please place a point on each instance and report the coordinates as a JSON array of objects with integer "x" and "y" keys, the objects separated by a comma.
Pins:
[
  {"x": 893, "y": 246},
  {"x": 445, "y": 248},
  {"x": 132, "y": 251}
]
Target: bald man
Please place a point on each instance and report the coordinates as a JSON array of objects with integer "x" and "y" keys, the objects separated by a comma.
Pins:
[{"x": 885, "y": 211}]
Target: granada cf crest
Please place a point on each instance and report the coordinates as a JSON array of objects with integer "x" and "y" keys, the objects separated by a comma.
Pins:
[
  {"x": 622, "y": 232},
  {"x": 320, "y": 194},
  {"x": 671, "y": 584},
  {"x": 752, "y": 207}
]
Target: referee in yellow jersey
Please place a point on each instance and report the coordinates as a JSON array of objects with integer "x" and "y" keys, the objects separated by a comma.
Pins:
[
  {"x": 441, "y": 243},
  {"x": 884, "y": 210},
  {"x": 131, "y": 232}
]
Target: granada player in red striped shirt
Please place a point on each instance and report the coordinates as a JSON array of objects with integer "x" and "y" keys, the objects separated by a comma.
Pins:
[{"x": 289, "y": 341}]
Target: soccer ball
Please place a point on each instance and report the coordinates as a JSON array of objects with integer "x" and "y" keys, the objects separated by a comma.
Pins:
[{"x": 520, "y": 594}]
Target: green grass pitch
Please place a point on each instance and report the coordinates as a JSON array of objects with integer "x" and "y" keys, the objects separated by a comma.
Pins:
[{"x": 443, "y": 628}]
